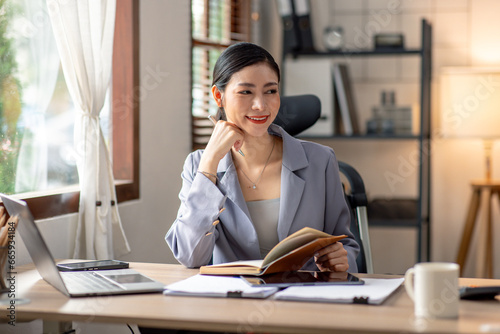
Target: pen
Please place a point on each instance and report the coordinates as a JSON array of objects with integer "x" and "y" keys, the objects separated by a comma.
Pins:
[{"x": 212, "y": 118}]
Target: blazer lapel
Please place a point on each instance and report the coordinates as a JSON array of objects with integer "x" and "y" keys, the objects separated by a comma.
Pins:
[
  {"x": 292, "y": 185},
  {"x": 230, "y": 184}
]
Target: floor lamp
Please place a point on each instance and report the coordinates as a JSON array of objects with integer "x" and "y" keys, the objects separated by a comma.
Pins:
[{"x": 470, "y": 108}]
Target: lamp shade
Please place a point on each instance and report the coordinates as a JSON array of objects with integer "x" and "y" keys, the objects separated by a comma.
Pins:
[{"x": 470, "y": 102}]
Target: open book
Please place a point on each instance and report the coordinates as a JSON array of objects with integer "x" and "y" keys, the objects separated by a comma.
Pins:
[{"x": 289, "y": 254}]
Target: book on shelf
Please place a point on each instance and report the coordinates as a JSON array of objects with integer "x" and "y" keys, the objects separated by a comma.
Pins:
[
  {"x": 290, "y": 254},
  {"x": 344, "y": 98},
  {"x": 338, "y": 126}
]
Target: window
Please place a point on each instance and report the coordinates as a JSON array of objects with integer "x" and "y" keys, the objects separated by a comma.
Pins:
[
  {"x": 15, "y": 128},
  {"x": 216, "y": 24}
]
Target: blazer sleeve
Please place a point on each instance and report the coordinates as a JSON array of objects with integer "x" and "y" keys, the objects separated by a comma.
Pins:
[{"x": 192, "y": 236}]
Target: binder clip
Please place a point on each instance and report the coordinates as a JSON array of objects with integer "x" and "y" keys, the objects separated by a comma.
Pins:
[
  {"x": 360, "y": 300},
  {"x": 234, "y": 294}
]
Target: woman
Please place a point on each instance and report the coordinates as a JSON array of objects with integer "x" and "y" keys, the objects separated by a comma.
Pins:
[{"x": 253, "y": 184}]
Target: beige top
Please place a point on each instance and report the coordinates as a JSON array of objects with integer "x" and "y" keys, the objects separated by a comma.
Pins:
[{"x": 265, "y": 215}]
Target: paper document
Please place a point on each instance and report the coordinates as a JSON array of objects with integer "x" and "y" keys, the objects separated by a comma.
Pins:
[
  {"x": 217, "y": 286},
  {"x": 374, "y": 291}
]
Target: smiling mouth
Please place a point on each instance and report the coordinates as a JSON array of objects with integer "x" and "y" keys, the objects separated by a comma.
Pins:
[{"x": 262, "y": 119}]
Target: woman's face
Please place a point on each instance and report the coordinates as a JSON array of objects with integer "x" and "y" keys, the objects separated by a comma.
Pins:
[{"x": 251, "y": 99}]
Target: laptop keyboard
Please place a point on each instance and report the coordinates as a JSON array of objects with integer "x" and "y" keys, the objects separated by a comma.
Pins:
[{"x": 87, "y": 281}]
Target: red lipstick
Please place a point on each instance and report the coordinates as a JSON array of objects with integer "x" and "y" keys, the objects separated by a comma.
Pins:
[{"x": 257, "y": 119}]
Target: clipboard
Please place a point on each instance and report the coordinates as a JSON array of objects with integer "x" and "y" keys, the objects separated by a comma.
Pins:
[
  {"x": 217, "y": 286},
  {"x": 374, "y": 292}
]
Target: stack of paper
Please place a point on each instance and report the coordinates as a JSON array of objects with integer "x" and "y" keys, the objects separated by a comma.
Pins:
[
  {"x": 374, "y": 291},
  {"x": 217, "y": 286}
]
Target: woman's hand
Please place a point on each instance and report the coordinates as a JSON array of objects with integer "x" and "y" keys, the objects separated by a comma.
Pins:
[
  {"x": 332, "y": 258},
  {"x": 224, "y": 136}
]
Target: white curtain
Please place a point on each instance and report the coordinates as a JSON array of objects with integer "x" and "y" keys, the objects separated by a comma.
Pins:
[
  {"x": 38, "y": 72},
  {"x": 84, "y": 32}
]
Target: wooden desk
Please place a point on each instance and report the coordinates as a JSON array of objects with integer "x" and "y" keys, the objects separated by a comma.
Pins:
[{"x": 240, "y": 315}]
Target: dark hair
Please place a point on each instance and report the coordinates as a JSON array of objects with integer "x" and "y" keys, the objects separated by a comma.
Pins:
[{"x": 235, "y": 58}]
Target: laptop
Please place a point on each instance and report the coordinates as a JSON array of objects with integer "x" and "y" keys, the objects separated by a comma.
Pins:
[{"x": 75, "y": 283}]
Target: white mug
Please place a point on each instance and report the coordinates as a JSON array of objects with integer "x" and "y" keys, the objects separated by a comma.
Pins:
[{"x": 433, "y": 286}]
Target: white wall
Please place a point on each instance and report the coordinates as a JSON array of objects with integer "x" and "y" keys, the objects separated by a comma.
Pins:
[{"x": 165, "y": 133}]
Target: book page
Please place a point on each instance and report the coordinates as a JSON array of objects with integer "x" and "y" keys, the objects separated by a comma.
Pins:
[
  {"x": 247, "y": 267},
  {"x": 297, "y": 258},
  {"x": 243, "y": 263},
  {"x": 293, "y": 241}
]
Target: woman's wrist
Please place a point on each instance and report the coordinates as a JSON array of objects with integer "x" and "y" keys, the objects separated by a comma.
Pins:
[
  {"x": 208, "y": 163},
  {"x": 212, "y": 177},
  {"x": 208, "y": 169}
]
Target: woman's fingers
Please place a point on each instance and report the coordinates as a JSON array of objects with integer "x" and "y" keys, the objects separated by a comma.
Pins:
[
  {"x": 332, "y": 258},
  {"x": 224, "y": 136}
]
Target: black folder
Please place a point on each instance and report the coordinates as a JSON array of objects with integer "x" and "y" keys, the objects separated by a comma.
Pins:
[
  {"x": 290, "y": 30},
  {"x": 302, "y": 10}
]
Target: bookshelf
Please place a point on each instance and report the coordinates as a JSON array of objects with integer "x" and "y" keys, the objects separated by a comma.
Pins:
[{"x": 422, "y": 205}]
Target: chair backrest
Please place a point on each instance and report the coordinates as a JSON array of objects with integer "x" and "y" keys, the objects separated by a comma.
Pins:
[
  {"x": 298, "y": 113},
  {"x": 357, "y": 201}
]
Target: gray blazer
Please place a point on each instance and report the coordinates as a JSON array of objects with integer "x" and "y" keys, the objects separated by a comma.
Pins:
[{"x": 311, "y": 195}]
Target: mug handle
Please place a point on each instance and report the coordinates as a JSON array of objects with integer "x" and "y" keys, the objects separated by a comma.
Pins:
[{"x": 410, "y": 273}]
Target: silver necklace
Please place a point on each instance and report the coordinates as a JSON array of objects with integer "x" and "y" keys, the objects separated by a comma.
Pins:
[{"x": 254, "y": 184}]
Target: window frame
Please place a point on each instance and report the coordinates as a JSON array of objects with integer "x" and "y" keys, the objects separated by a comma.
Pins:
[
  {"x": 125, "y": 78},
  {"x": 239, "y": 30}
]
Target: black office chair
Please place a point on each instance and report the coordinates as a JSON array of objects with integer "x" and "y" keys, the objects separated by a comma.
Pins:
[
  {"x": 298, "y": 113},
  {"x": 356, "y": 198}
]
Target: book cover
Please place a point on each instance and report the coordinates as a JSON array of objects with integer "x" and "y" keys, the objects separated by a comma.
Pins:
[
  {"x": 289, "y": 254},
  {"x": 345, "y": 98}
]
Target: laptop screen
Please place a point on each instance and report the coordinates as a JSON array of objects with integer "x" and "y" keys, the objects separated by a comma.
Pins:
[{"x": 34, "y": 242}]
